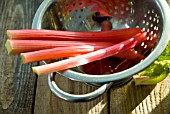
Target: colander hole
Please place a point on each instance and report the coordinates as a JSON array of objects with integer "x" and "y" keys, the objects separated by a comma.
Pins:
[
  {"x": 121, "y": 20},
  {"x": 148, "y": 30},
  {"x": 151, "y": 38},
  {"x": 142, "y": 44},
  {"x": 145, "y": 15},
  {"x": 115, "y": 21},
  {"x": 156, "y": 15},
  {"x": 145, "y": 46},
  {"x": 110, "y": 4},
  {"x": 122, "y": 12},
  {"x": 59, "y": 13},
  {"x": 151, "y": 32},
  {"x": 147, "y": 23},
  {"x": 63, "y": 14},
  {"x": 155, "y": 35},
  {"x": 116, "y": 7},
  {"x": 148, "y": 38},
  {"x": 151, "y": 25},
  {"x": 112, "y": 71},
  {"x": 143, "y": 21},
  {"x": 149, "y": 11},
  {"x": 74, "y": 4},
  {"x": 153, "y": 11},
  {"x": 130, "y": 3},
  {"x": 122, "y": 5},
  {"x": 126, "y": 19},
  {"x": 115, "y": 13},
  {"x": 64, "y": 18},
  {"x": 127, "y": 8},
  {"x": 81, "y": 10},
  {"x": 150, "y": 18},
  {"x": 143, "y": 29},
  {"x": 80, "y": 3}
]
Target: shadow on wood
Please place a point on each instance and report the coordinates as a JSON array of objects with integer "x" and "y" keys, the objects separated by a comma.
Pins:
[{"x": 123, "y": 100}]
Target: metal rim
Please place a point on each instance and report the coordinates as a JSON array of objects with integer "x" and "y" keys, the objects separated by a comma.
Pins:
[{"x": 126, "y": 73}]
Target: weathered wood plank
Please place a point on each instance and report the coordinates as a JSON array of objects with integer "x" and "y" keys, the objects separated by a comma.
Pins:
[
  {"x": 17, "y": 82},
  {"x": 131, "y": 99},
  {"x": 48, "y": 103}
]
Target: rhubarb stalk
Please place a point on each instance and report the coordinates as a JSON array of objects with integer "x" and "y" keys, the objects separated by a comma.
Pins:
[
  {"x": 21, "y": 46},
  {"x": 59, "y": 52},
  {"x": 112, "y": 35},
  {"x": 130, "y": 54}
]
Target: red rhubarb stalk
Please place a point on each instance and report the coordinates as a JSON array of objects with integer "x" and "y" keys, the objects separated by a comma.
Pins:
[
  {"x": 112, "y": 35},
  {"x": 21, "y": 46},
  {"x": 90, "y": 57},
  {"x": 71, "y": 51},
  {"x": 59, "y": 52},
  {"x": 129, "y": 54}
]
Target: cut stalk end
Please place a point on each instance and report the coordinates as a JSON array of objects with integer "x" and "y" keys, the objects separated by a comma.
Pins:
[
  {"x": 8, "y": 34},
  {"x": 8, "y": 46},
  {"x": 35, "y": 71},
  {"x": 23, "y": 58}
]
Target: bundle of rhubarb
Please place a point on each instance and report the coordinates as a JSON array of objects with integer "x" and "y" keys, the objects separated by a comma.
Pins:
[{"x": 78, "y": 48}]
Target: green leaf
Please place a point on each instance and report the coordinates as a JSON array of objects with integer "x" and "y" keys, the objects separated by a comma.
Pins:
[{"x": 156, "y": 72}]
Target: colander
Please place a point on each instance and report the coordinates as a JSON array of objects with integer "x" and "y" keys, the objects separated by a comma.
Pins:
[{"x": 153, "y": 16}]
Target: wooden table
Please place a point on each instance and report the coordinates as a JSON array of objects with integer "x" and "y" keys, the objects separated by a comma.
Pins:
[{"x": 22, "y": 92}]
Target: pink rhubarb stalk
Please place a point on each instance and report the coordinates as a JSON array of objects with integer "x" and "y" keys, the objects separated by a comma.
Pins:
[
  {"x": 59, "y": 52},
  {"x": 112, "y": 35},
  {"x": 129, "y": 54},
  {"x": 21, "y": 46}
]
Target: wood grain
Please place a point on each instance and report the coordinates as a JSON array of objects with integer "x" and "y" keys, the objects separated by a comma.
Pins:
[
  {"x": 17, "y": 82},
  {"x": 132, "y": 99}
]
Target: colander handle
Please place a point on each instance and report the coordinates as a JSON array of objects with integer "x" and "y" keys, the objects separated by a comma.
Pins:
[{"x": 76, "y": 98}]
